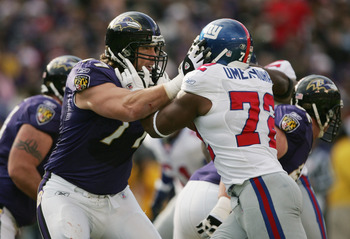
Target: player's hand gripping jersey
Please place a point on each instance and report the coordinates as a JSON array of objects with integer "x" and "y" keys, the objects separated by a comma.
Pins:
[
  {"x": 238, "y": 110},
  {"x": 109, "y": 150}
]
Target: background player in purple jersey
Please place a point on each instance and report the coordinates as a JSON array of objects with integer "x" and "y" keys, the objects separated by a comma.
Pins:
[
  {"x": 26, "y": 139},
  {"x": 231, "y": 105},
  {"x": 314, "y": 113},
  {"x": 85, "y": 192}
]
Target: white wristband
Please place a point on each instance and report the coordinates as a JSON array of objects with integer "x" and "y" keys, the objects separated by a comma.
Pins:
[
  {"x": 155, "y": 126},
  {"x": 173, "y": 87},
  {"x": 222, "y": 208}
]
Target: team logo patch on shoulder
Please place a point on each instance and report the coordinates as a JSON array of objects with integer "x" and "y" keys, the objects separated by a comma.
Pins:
[
  {"x": 81, "y": 82},
  {"x": 289, "y": 123},
  {"x": 44, "y": 114}
]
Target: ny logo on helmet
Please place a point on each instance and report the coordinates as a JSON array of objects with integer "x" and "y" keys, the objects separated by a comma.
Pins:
[{"x": 212, "y": 31}]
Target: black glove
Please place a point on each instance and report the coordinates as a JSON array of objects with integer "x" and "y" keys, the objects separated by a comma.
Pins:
[
  {"x": 208, "y": 226},
  {"x": 217, "y": 215}
]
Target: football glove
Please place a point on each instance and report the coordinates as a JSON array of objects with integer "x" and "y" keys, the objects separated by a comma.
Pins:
[
  {"x": 196, "y": 56},
  {"x": 217, "y": 215},
  {"x": 163, "y": 79},
  {"x": 208, "y": 226},
  {"x": 130, "y": 79}
]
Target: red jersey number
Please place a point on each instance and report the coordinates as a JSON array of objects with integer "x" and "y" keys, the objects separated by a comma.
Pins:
[{"x": 249, "y": 136}]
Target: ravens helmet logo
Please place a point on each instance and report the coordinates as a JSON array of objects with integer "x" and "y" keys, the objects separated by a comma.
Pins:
[
  {"x": 320, "y": 84},
  {"x": 127, "y": 22}
]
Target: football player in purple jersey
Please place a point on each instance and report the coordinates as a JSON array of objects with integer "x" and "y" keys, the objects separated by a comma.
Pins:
[
  {"x": 85, "y": 192},
  {"x": 314, "y": 113},
  {"x": 26, "y": 139}
]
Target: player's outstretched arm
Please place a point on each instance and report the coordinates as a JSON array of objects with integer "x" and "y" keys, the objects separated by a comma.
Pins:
[{"x": 178, "y": 114}]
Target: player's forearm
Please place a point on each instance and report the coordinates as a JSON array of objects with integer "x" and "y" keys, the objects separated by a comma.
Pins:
[
  {"x": 282, "y": 85},
  {"x": 27, "y": 180},
  {"x": 142, "y": 103}
]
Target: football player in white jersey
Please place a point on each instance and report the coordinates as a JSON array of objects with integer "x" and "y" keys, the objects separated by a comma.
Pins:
[
  {"x": 232, "y": 107},
  {"x": 315, "y": 97},
  {"x": 199, "y": 199},
  {"x": 179, "y": 155}
]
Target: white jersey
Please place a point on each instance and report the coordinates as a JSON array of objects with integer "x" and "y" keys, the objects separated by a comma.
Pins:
[
  {"x": 180, "y": 159},
  {"x": 239, "y": 128}
]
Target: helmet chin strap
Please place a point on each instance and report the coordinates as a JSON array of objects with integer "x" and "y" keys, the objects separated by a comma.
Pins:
[{"x": 314, "y": 107}]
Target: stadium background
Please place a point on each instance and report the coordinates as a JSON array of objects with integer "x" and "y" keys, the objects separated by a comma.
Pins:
[{"x": 314, "y": 35}]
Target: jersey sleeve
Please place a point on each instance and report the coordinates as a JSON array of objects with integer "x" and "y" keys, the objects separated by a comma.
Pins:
[
  {"x": 89, "y": 73},
  {"x": 44, "y": 115},
  {"x": 297, "y": 125},
  {"x": 295, "y": 122},
  {"x": 202, "y": 81}
]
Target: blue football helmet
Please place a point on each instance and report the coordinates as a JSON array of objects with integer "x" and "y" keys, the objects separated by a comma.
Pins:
[
  {"x": 55, "y": 75},
  {"x": 229, "y": 40},
  {"x": 320, "y": 97},
  {"x": 129, "y": 31}
]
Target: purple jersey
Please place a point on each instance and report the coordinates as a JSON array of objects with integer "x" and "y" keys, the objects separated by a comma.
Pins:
[
  {"x": 207, "y": 173},
  {"x": 42, "y": 112},
  {"x": 93, "y": 152},
  {"x": 297, "y": 125}
]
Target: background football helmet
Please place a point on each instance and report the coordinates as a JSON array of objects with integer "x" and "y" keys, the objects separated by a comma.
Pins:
[
  {"x": 126, "y": 33},
  {"x": 55, "y": 75},
  {"x": 320, "y": 97},
  {"x": 229, "y": 40}
]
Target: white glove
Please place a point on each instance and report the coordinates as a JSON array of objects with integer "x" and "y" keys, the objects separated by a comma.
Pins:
[
  {"x": 283, "y": 66},
  {"x": 163, "y": 79},
  {"x": 130, "y": 79},
  {"x": 196, "y": 56},
  {"x": 217, "y": 215}
]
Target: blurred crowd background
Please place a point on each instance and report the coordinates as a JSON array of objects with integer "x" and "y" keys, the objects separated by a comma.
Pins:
[{"x": 314, "y": 35}]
